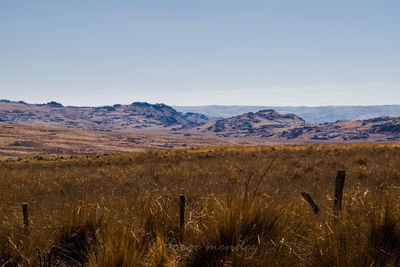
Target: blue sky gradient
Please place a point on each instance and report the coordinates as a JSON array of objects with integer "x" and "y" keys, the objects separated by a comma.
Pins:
[{"x": 187, "y": 52}]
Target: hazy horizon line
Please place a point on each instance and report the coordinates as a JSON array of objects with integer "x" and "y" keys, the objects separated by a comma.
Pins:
[{"x": 209, "y": 105}]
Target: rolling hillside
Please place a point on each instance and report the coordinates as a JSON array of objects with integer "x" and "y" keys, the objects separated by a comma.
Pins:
[
  {"x": 50, "y": 129},
  {"x": 138, "y": 115},
  {"x": 309, "y": 114}
]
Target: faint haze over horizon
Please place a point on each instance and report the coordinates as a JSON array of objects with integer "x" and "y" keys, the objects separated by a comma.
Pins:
[{"x": 192, "y": 53}]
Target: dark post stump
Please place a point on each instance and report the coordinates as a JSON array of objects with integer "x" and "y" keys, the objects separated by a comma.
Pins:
[
  {"x": 339, "y": 184},
  {"x": 25, "y": 217},
  {"x": 310, "y": 201},
  {"x": 182, "y": 200}
]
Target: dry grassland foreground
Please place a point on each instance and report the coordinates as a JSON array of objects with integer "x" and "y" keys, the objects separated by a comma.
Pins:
[{"x": 243, "y": 207}]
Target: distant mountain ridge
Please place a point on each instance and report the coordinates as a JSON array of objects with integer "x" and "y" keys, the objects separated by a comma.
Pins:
[
  {"x": 138, "y": 115},
  {"x": 309, "y": 114},
  {"x": 141, "y": 117}
]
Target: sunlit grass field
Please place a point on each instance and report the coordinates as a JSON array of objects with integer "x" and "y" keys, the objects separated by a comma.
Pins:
[{"x": 243, "y": 208}]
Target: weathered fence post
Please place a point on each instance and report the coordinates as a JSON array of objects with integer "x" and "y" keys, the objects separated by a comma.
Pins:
[
  {"x": 182, "y": 200},
  {"x": 49, "y": 255},
  {"x": 39, "y": 257},
  {"x": 310, "y": 201},
  {"x": 26, "y": 219},
  {"x": 339, "y": 184}
]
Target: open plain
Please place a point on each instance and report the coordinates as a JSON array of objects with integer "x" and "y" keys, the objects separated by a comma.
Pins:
[{"x": 244, "y": 207}]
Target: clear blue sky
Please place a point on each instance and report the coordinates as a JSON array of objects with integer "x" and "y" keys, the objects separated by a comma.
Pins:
[{"x": 94, "y": 52}]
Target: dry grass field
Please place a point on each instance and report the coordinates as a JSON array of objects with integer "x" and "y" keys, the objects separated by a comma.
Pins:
[
  {"x": 17, "y": 140},
  {"x": 243, "y": 208}
]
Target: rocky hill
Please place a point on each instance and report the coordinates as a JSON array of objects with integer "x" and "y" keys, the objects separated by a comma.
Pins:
[
  {"x": 261, "y": 123},
  {"x": 274, "y": 127},
  {"x": 294, "y": 130},
  {"x": 371, "y": 130},
  {"x": 309, "y": 114},
  {"x": 138, "y": 115}
]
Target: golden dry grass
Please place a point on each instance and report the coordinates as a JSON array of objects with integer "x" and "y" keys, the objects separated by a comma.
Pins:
[
  {"x": 123, "y": 210},
  {"x": 18, "y": 140}
]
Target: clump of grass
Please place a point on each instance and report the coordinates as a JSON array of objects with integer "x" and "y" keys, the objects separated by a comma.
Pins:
[
  {"x": 361, "y": 239},
  {"x": 384, "y": 237},
  {"x": 234, "y": 233},
  {"x": 160, "y": 253},
  {"x": 360, "y": 161},
  {"x": 18, "y": 249},
  {"x": 118, "y": 247},
  {"x": 160, "y": 220},
  {"x": 74, "y": 240}
]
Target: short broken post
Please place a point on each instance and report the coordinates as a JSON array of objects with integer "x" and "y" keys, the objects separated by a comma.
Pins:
[
  {"x": 182, "y": 200},
  {"x": 25, "y": 217},
  {"x": 339, "y": 184},
  {"x": 310, "y": 201}
]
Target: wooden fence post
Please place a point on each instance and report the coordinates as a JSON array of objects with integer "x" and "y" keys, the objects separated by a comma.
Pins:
[
  {"x": 25, "y": 217},
  {"x": 182, "y": 200},
  {"x": 49, "y": 255},
  {"x": 39, "y": 257},
  {"x": 339, "y": 184},
  {"x": 310, "y": 201}
]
